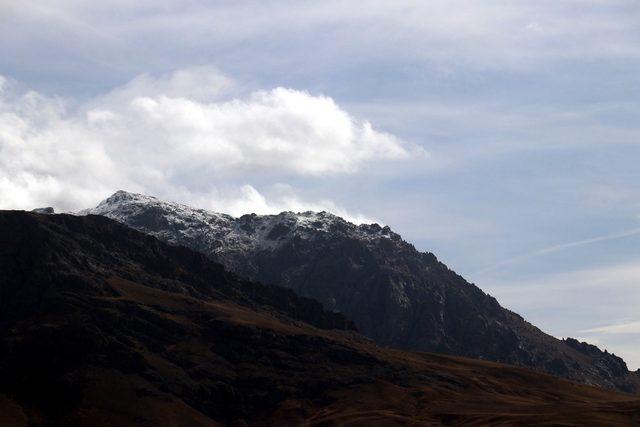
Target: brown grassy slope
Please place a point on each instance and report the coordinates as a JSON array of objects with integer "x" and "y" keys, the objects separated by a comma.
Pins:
[{"x": 371, "y": 386}]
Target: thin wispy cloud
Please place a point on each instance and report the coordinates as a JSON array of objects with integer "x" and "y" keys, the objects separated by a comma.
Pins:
[
  {"x": 559, "y": 248},
  {"x": 621, "y": 328}
]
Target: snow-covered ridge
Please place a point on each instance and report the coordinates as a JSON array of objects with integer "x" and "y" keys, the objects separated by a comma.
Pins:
[{"x": 218, "y": 232}]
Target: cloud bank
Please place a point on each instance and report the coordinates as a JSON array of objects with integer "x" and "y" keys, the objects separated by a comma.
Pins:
[
  {"x": 182, "y": 136},
  {"x": 482, "y": 35}
]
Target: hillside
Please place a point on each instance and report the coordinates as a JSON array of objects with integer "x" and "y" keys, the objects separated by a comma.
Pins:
[{"x": 395, "y": 294}]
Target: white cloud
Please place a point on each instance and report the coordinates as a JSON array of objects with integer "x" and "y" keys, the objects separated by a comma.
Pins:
[
  {"x": 179, "y": 134},
  {"x": 286, "y": 129}
]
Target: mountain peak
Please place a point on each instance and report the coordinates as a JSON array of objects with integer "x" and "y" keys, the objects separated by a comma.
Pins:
[
  {"x": 395, "y": 294},
  {"x": 249, "y": 230},
  {"x": 121, "y": 195}
]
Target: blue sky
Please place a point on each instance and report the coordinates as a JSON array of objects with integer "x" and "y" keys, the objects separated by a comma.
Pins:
[{"x": 503, "y": 136}]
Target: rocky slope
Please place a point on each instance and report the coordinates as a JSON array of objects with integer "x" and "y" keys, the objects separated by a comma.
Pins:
[
  {"x": 101, "y": 325},
  {"x": 395, "y": 294}
]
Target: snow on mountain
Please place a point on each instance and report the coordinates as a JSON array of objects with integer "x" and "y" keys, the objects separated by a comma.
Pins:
[{"x": 217, "y": 232}]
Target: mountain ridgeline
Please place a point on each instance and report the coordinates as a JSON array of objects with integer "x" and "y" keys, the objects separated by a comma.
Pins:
[
  {"x": 396, "y": 295},
  {"x": 102, "y": 325}
]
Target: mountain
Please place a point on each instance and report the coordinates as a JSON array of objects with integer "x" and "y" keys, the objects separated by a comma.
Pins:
[
  {"x": 101, "y": 325},
  {"x": 396, "y": 295}
]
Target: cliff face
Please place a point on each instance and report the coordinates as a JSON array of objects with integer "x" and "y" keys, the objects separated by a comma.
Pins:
[
  {"x": 395, "y": 294},
  {"x": 102, "y": 325}
]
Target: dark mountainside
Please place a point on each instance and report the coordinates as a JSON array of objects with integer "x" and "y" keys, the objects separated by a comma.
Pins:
[
  {"x": 101, "y": 325},
  {"x": 395, "y": 295}
]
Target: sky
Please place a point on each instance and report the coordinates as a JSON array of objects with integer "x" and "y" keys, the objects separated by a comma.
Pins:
[{"x": 503, "y": 136}]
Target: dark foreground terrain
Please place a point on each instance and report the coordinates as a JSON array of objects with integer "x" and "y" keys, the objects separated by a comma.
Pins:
[{"x": 101, "y": 325}]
